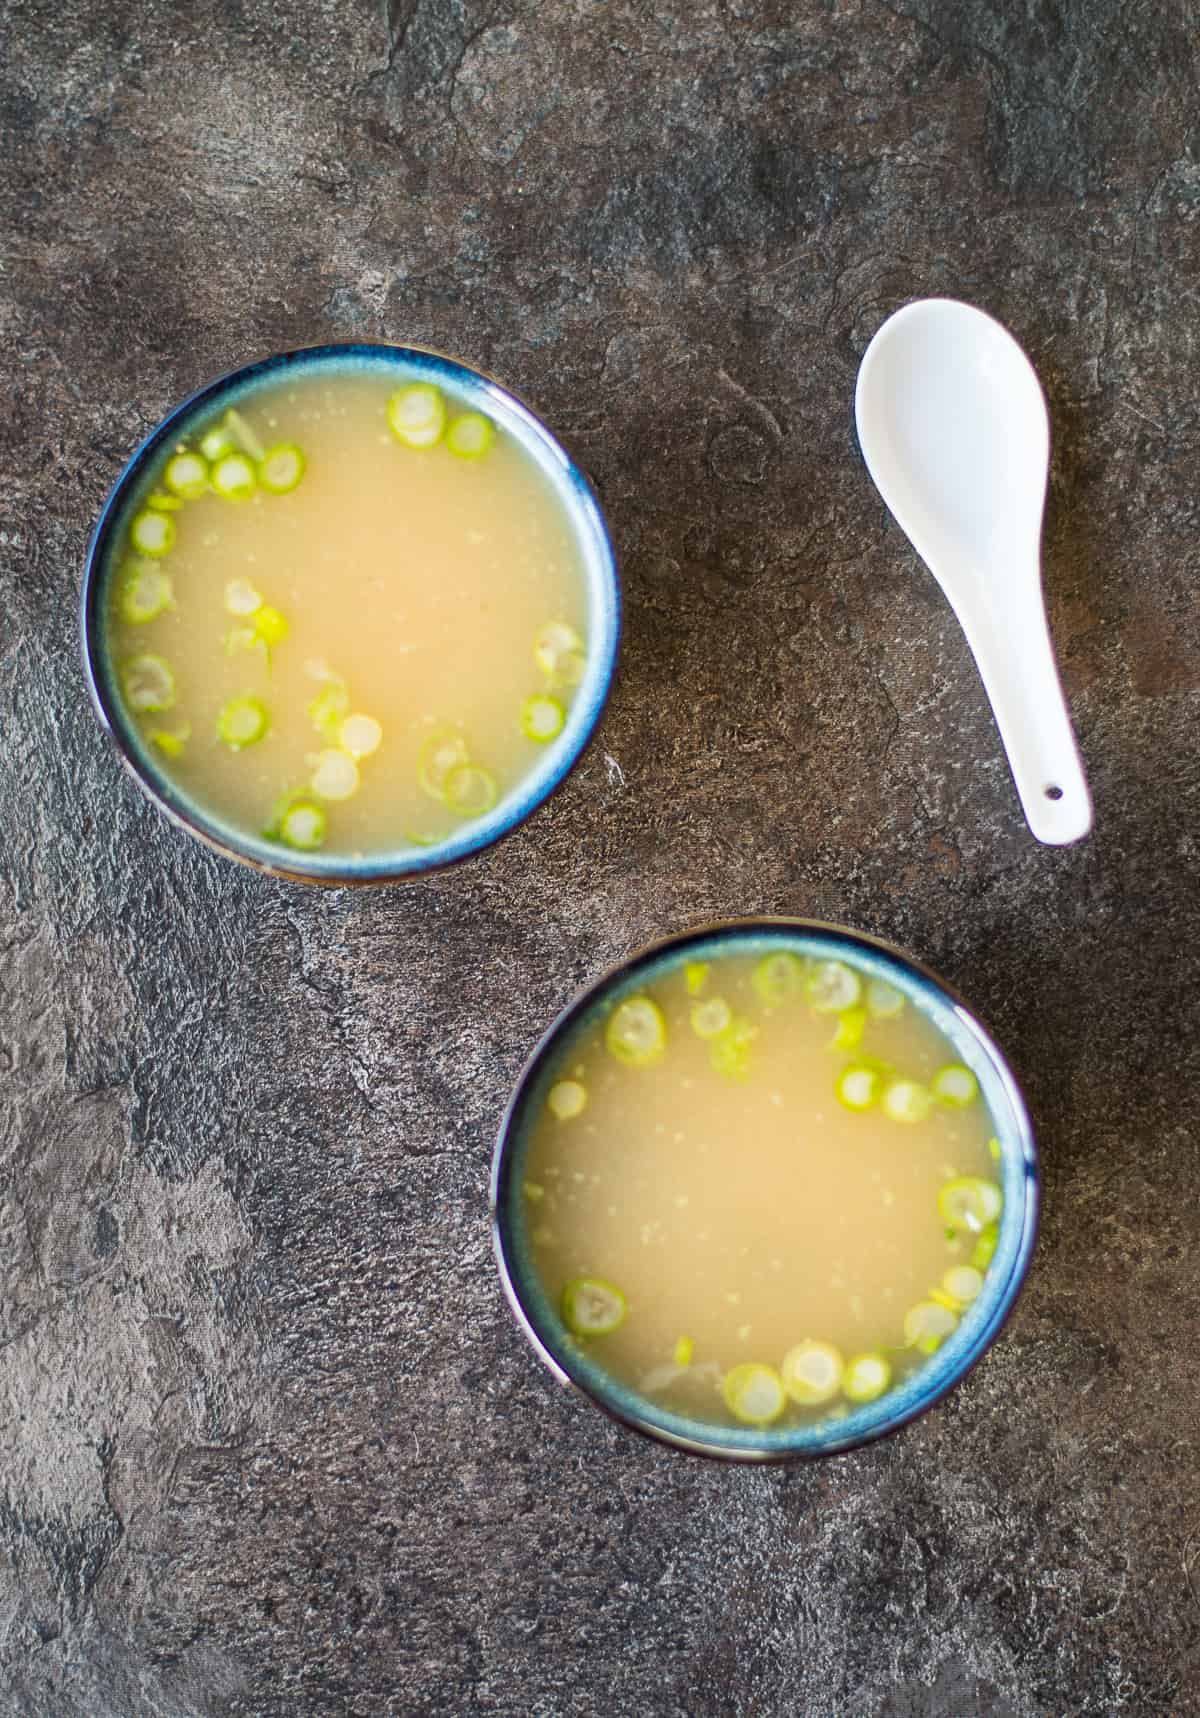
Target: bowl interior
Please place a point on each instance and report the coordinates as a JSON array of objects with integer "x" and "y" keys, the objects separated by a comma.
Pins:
[
  {"x": 466, "y": 387},
  {"x": 1017, "y": 1171}
]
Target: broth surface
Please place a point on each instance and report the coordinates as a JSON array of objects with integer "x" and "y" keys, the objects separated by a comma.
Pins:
[
  {"x": 727, "y": 1193},
  {"x": 414, "y": 580}
]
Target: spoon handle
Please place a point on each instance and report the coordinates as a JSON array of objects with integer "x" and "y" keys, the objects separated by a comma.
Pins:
[{"x": 1016, "y": 663}]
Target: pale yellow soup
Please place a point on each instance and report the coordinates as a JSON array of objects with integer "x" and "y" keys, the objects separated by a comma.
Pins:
[
  {"x": 438, "y": 596},
  {"x": 763, "y": 1189}
]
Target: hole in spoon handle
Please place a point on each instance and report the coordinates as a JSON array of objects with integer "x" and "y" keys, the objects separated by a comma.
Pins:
[
  {"x": 1064, "y": 811},
  {"x": 1016, "y": 663}
]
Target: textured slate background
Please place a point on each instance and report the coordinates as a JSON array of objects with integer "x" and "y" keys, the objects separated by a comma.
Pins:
[{"x": 269, "y": 1441}]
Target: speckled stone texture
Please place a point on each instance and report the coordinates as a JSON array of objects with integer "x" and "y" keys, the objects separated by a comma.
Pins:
[{"x": 272, "y": 1444}]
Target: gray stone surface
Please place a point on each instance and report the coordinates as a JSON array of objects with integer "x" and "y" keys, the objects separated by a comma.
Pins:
[{"x": 270, "y": 1441}]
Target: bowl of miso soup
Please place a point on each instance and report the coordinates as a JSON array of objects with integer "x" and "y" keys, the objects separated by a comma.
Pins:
[
  {"x": 765, "y": 1191},
  {"x": 350, "y": 613}
]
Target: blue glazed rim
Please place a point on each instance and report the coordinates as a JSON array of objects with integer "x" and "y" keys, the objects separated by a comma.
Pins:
[
  {"x": 466, "y": 385},
  {"x": 980, "y": 1324}
]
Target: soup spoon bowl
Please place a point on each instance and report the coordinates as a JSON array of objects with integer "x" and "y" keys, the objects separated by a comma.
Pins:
[
  {"x": 575, "y": 1363},
  {"x": 200, "y": 816}
]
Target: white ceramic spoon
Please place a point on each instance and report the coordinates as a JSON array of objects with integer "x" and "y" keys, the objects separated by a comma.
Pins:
[{"x": 953, "y": 426}]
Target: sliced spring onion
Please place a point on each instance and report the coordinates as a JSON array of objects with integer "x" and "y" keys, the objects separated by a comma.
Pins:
[
  {"x": 636, "y": 1033},
  {"x": 963, "y": 1282},
  {"x": 660, "y": 1377},
  {"x": 857, "y": 1087},
  {"x": 417, "y": 415},
  {"x": 907, "y": 1101},
  {"x": 754, "y": 1393},
  {"x": 470, "y": 436},
  {"x": 303, "y": 825},
  {"x": 281, "y": 468},
  {"x": 334, "y": 776},
  {"x": 233, "y": 477},
  {"x": 242, "y": 722},
  {"x": 884, "y": 1001},
  {"x": 145, "y": 592},
  {"x": 215, "y": 442},
  {"x": 152, "y": 533},
  {"x": 161, "y": 502},
  {"x": 955, "y": 1086},
  {"x": 533, "y": 1191},
  {"x": 243, "y": 435},
  {"x": 852, "y": 1023},
  {"x": 969, "y": 1202},
  {"x": 711, "y": 1017},
  {"x": 558, "y": 651},
  {"x": 832, "y": 987},
  {"x": 171, "y": 741},
  {"x": 441, "y": 753},
  {"x": 245, "y": 638},
  {"x": 994, "y": 1149},
  {"x": 592, "y": 1307},
  {"x": 186, "y": 475},
  {"x": 812, "y": 1372},
  {"x": 985, "y": 1247},
  {"x": 927, "y": 1325},
  {"x": 360, "y": 736},
  {"x": 777, "y": 978},
  {"x": 684, "y": 1350},
  {"x": 694, "y": 975},
  {"x": 328, "y": 710},
  {"x": 866, "y": 1377},
  {"x": 148, "y": 684},
  {"x": 946, "y": 1299},
  {"x": 542, "y": 717},
  {"x": 470, "y": 791},
  {"x": 567, "y": 1099},
  {"x": 241, "y": 597},
  {"x": 730, "y": 1054},
  {"x": 270, "y": 625}
]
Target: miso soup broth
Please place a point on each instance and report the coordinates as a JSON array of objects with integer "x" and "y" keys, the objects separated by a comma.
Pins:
[
  {"x": 761, "y": 1189},
  {"x": 349, "y": 614}
]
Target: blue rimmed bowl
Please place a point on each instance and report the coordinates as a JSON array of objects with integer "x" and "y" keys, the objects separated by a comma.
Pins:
[
  {"x": 981, "y": 1322},
  {"x": 469, "y": 388}
]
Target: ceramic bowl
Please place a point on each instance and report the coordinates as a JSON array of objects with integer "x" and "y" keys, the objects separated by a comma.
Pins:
[
  {"x": 468, "y": 388},
  {"x": 980, "y": 1323}
]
